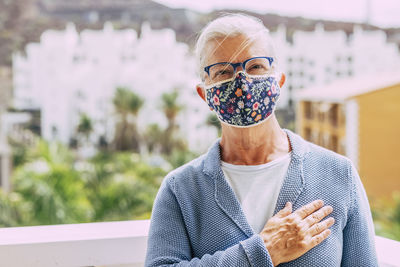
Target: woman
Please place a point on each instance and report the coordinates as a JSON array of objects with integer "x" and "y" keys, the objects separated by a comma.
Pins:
[{"x": 256, "y": 198}]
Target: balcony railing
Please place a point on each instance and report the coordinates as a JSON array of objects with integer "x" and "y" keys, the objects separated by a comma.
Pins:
[{"x": 111, "y": 244}]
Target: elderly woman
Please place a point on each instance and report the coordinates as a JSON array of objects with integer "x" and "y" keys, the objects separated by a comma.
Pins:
[{"x": 261, "y": 195}]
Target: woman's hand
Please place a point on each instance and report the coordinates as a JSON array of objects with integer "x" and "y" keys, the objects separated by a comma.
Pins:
[{"x": 289, "y": 235}]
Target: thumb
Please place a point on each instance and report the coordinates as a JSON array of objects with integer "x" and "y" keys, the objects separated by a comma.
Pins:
[{"x": 285, "y": 211}]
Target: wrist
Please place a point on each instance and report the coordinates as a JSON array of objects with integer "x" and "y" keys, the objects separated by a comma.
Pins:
[{"x": 271, "y": 252}]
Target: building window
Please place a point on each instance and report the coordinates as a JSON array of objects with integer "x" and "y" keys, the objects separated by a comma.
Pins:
[
  {"x": 307, "y": 134},
  {"x": 308, "y": 110},
  {"x": 333, "y": 115},
  {"x": 321, "y": 116}
]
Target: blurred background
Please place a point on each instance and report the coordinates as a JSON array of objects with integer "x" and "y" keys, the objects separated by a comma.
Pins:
[{"x": 98, "y": 100}]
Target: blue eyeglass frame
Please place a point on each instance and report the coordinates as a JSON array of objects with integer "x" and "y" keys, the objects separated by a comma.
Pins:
[{"x": 235, "y": 65}]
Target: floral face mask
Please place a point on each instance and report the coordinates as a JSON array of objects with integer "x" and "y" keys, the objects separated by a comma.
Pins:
[{"x": 244, "y": 101}]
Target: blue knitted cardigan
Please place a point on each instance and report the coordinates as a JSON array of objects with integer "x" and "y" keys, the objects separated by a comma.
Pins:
[{"x": 198, "y": 221}]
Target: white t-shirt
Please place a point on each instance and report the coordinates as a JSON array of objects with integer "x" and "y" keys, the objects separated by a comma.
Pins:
[{"x": 257, "y": 188}]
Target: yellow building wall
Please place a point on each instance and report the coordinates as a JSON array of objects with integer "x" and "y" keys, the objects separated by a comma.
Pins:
[
  {"x": 379, "y": 141},
  {"x": 319, "y": 124}
]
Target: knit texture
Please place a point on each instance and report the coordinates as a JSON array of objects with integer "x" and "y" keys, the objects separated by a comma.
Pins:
[{"x": 198, "y": 221}]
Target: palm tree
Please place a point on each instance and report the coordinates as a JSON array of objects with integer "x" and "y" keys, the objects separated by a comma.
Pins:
[
  {"x": 127, "y": 104},
  {"x": 85, "y": 126},
  {"x": 171, "y": 109},
  {"x": 152, "y": 137}
]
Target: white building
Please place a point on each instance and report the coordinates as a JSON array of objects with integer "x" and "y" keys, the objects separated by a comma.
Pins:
[
  {"x": 320, "y": 57},
  {"x": 68, "y": 74}
]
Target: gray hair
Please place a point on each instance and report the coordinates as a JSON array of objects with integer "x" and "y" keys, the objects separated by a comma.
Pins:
[{"x": 231, "y": 25}]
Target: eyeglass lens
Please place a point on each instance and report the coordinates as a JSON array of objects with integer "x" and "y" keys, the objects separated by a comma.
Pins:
[{"x": 225, "y": 71}]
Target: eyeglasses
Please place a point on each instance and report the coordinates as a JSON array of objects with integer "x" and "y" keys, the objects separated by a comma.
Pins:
[{"x": 226, "y": 70}]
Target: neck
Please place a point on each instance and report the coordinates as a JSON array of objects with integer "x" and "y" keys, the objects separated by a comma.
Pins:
[{"x": 254, "y": 145}]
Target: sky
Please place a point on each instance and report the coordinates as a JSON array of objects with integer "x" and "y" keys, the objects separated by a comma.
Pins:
[{"x": 383, "y": 13}]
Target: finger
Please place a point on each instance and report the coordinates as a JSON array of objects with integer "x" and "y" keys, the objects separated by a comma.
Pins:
[
  {"x": 322, "y": 226},
  {"x": 309, "y": 208},
  {"x": 318, "y": 215},
  {"x": 317, "y": 239},
  {"x": 285, "y": 211}
]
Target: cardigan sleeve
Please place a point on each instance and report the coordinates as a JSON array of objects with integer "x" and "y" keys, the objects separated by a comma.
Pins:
[
  {"x": 169, "y": 243},
  {"x": 359, "y": 234}
]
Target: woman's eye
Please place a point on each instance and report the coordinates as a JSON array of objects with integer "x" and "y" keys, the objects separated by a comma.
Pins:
[
  {"x": 256, "y": 67},
  {"x": 221, "y": 73}
]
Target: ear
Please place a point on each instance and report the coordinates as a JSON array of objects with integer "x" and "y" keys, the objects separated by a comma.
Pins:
[
  {"x": 282, "y": 80},
  {"x": 201, "y": 92}
]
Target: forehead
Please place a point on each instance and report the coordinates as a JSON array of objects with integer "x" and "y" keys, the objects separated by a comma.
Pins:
[{"x": 234, "y": 49}]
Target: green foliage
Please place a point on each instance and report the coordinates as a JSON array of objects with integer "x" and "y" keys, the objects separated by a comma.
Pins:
[
  {"x": 386, "y": 214},
  {"x": 85, "y": 126},
  {"x": 212, "y": 120},
  {"x": 121, "y": 186},
  {"x": 11, "y": 209},
  {"x": 19, "y": 153},
  {"x": 53, "y": 187},
  {"x": 180, "y": 157}
]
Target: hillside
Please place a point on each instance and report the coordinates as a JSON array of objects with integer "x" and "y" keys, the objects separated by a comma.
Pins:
[{"x": 23, "y": 21}]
